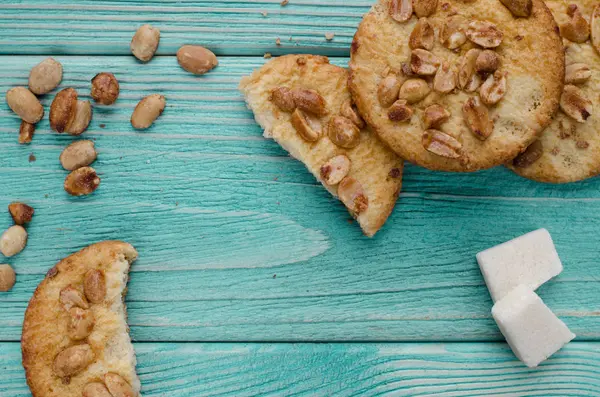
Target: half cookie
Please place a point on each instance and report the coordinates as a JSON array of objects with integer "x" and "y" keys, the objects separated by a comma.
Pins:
[
  {"x": 457, "y": 85},
  {"x": 75, "y": 336},
  {"x": 569, "y": 149},
  {"x": 303, "y": 103}
]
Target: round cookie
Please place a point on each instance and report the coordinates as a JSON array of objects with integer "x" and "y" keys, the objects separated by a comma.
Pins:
[
  {"x": 569, "y": 149},
  {"x": 466, "y": 86}
]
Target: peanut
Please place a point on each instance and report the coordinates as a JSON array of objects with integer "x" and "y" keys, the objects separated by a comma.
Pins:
[
  {"x": 343, "y": 132},
  {"x": 81, "y": 323},
  {"x": 20, "y": 212},
  {"x": 441, "y": 144},
  {"x": 196, "y": 59},
  {"x": 388, "y": 90},
  {"x": 352, "y": 194},
  {"x": 145, "y": 42},
  {"x": 96, "y": 389},
  {"x": 117, "y": 386},
  {"x": 94, "y": 285},
  {"x": 423, "y": 62},
  {"x": 401, "y": 10},
  {"x": 25, "y": 104},
  {"x": 485, "y": 34},
  {"x": 105, "y": 88},
  {"x": 67, "y": 114},
  {"x": 81, "y": 121},
  {"x": 310, "y": 101},
  {"x": 45, "y": 76},
  {"x": 13, "y": 241},
  {"x": 26, "y": 132},
  {"x": 349, "y": 111},
  {"x": 7, "y": 278},
  {"x": 487, "y": 62},
  {"x": 82, "y": 181},
  {"x": 148, "y": 110},
  {"x": 434, "y": 116},
  {"x": 400, "y": 111},
  {"x": 336, "y": 169},
  {"x": 424, "y": 8},
  {"x": 78, "y": 154},
  {"x": 282, "y": 98},
  {"x": 71, "y": 297},
  {"x": 414, "y": 90},
  {"x": 422, "y": 35},
  {"x": 73, "y": 360},
  {"x": 305, "y": 127}
]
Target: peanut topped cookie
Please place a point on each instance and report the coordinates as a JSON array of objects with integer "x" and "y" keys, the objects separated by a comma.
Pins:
[
  {"x": 303, "y": 103},
  {"x": 569, "y": 149},
  {"x": 457, "y": 85}
]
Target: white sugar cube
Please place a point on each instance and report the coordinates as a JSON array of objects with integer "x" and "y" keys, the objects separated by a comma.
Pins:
[
  {"x": 530, "y": 259},
  {"x": 532, "y": 330}
]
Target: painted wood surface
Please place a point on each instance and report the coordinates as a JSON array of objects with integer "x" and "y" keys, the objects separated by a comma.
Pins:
[
  {"x": 454, "y": 369},
  {"x": 239, "y": 244}
]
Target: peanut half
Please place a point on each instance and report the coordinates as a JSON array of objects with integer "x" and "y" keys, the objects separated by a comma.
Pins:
[
  {"x": 81, "y": 323},
  {"x": 478, "y": 119},
  {"x": 20, "y": 212},
  {"x": 105, "y": 88},
  {"x": 352, "y": 194},
  {"x": 487, "y": 62},
  {"x": 336, "y": 169},
  {"x": 94, "y": 285},
  {"x": 452, "y": 34},
  {"x": 343, "y": 132},
  {"x": 349, "y": 111},
  {"x": 414, "y": 90},
  {"x": 13, "y": 240},
  {"x": 25, "y": 104},
  {"x": 424, "y": 8},
  {"x": 423, "y": 62},
  {"x": 441, "y": 144},
  {"x": 78, "y": 154},
  {"x": 434, "y": 116},
  {"x": 196, "y": 59},
  {"x": 71, "y": 297},
  {"x": 145, "y": 42},
  {"x": 117, "y": 386},
  {"x": 7, "y": 278},
  {"x": 82, "y": 181},
  {"x": 422, "y": 35},
  {"x": 494, "y": 88},
  {"x": 147, "y": 111},
  {"x": 575, "y": 104},
  {"x": 45, "y": 76},
  {"x": 309, "y": 101},
  {"x": 401, "y": 10},
  {"x": 282, "y": 98},
  {"x": 577, "y": 73},
  {"x": 468, "y": 79},
  {"x": 485, "y": 34},
  {"x": 400, "y": 111},
  {"x": 388, "y": 90},
  {"x": 445, "y": 78},
  {"x": 577, "y": 29},
  {"x": 73, "y": 360},
  {"x": 96, "y": 389},
  {"x": 308, "y": 128}
]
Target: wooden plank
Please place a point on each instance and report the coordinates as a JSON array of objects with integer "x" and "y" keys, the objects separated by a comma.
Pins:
[
  {"x": 239, "y": 242},
  {"x": 227, "y": 27},
  {"x": 344, "y": 370}
]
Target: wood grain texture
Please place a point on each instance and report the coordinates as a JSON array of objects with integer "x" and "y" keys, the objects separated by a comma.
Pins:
[
  {"x": 453, "y": 370},
  {"x": 227, "y": 27},
  {"x": 239, "y": 243}
]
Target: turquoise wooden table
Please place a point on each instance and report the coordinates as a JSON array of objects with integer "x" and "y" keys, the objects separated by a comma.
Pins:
[{"x": 251, "y": 279}]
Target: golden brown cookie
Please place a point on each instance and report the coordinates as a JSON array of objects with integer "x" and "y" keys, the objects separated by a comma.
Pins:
[
  {"x": 569, "y": 149},
  {"x": 457, "y": 85},
  {"x": 75, "y": 336},
  {"x": 303, "y": 103}
]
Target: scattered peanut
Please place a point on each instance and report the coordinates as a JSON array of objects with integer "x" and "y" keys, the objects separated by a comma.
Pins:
[
  {"x": 282, "y": 97},
  {"x": 117, "y": 386},
  {"x": 304, "y": 127},
  {"x": 414, "y": 90},
  {"x": 424, "y": 8},
  {"x": 81, "y": 323},
  {"x": 62, "y": 109},
  {"x": 147, "y": 111},
  {"x": 388, "y": 90},
  {"x": 20, "y": 212},
  {"x": 71, "y": 297},
  {"x": 25, "y": 104},
  {"x": 73, "y": 360},
  {"x": 577, "y": 29},
  {"x": 310, "y": 101},
  {"x": 434, "y": 116},
  {"x": 45, "y": 76},
  {"x": 400, "y": 111},
  {"x": 574, "y": 104},
  {"x": 487, "y": 62},
  {"x": 13, "y": 240},
  {"x": 445, "y": 78},
  {"x": 423, "y": 62},
  {"x": 349, "y": 111},
  {"x": 78, "y": 154},
  {"x": 94, "y": 285},
  {"x": 577, "y": 73},
  {"x": 441, "y": 144},
  {"x": 105, "y": 88},
  {"x": 96, "y": 389},
  {"x": 401, "y": 10},
  {"x": 494, "y": 88},
  {"x": 81, "y": 121},
  {"x": 485, "y": 34},
  {"x": 343, "y": 132},
  {"x": 82, "y": 181},
  {"x": 7, "y": 278},
  {"x": 336, "y": 169},
  {"x": 531, "y": 155},
  {"x": 468, "y": 79},
  {"x": 196, "y": 59},
  {"x": 422, "y": 35},
  {"x": 145, "y": 42},
  {"x": 519, "y": 8},
  {"x": 352, "y": 194},
  {"x": 26, "y": 132},
  {"x": 477, "y": 118}
]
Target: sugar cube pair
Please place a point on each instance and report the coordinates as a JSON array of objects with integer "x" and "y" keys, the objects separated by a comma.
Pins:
[{"x": 512, "y": 272}]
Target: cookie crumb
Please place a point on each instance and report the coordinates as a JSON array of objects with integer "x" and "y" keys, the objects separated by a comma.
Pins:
[
  {"x": 329, "y": 36},
  {"x": 32, "y": 158},
  {"x": 274, "y": 276},
  {"x": 102, "y": 125},
  {"x": 264, "y": 13},
  {"x": 284, "y": 2},
  {"x": 278, "y": 42},
  {"x": 582, "y": 144},
  {"x": 268, "y": 55}
]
